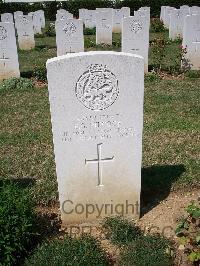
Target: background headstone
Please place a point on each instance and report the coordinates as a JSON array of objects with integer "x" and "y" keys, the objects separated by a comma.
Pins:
[
  {"x": 135, "y": 37},
  {"x": 191, "y": 40},
  {"x": 175, "y": 25},
  {"x": 7, "y": 17},
  {"x": 17, "y": 13},
  {"x": 42, "y": 17},
  {"x": 90, "y": 18},
  {"x": 96, "y": 102},
  {"x": 37, "y": 25},
  {"x": 25, "y": 32},
  {"x": 63, "y": 15},
  {"x": 69, "y": 36},
  {"x": 104, "y": 26},
  {"x": 9, "y": 65}
]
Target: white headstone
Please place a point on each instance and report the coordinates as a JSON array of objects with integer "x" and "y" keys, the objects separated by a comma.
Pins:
[
  {"x": 135, "y": 37},
  {"x": 63, "y": 15},
  {"x": 167, "y": 12},
  {"x": 117, "y": 20},
  {"x": 126, "y": 11},
  {"x": 191, "y": 40},
  {"x": 162, "y": 13},
  {"x": 25, "y": 32},
  {"x": 42, "y": 18},
  {"x": 118, "y": 15},
  {"x": 7, "y": 17},
  {"x": 96, "y": 102},
  {"x": 9, "y": 65},
  {"x": 143, "y": 14},
  {"x": 37, "y": 25},
  {"x": 17, "y": 13},
  {"x": 195, "y": 10},
  {"x": 82, "y": 12},
  {"x": 69, "y": 36},
  {"x": 175, "y": 25},
  {"x": 90, "y": 18},
  {"x": 104, "y": 26}
]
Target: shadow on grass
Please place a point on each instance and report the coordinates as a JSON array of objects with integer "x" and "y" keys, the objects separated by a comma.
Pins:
[
  {"x": 156, "y": 184},
  {"x": 20, "y": 182}
]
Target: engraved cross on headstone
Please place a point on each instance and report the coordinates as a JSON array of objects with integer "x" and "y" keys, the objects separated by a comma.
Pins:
[
  {"x": 3, "y": 59},
  {"x": 25, "y": 34},
  {"x": 99, "y": 160}
]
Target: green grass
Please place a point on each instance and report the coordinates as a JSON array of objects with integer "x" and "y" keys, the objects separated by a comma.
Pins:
[
  {"x": 79, "y": 252},
  {"x": 137, "y": 248},
  {"x": 171, "y": 128},
  {"x": 147, "y": 250}
]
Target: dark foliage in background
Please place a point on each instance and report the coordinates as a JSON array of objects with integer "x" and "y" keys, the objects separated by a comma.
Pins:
[{"x": 73, "y": 5}]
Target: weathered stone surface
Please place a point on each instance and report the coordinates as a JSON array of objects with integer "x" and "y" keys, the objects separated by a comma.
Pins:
[{"x": 96, "y": 102}]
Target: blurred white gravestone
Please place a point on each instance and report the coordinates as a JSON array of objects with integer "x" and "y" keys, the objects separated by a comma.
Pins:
[
  {"x": 82, "y": 15},
  {"x": 37, "y": 25},
  {"x": 184, "y": 11},
  {"x": 17, "y": 13},
  {"x": 90, "y": 18},
  {"x": 7, "y": 17},
  {"x": 25, "y": 32},
  {"x": 63, "y": 14},
  {"x": 135, "y": 36},
  {"x": 162, "y": 12},
  {"x": 167, "y": 12},
  {"x": 118, "y": 15},
  {"x": 9, "y": 65},
  {"x": 194, "y": 10},
  {"x": 69, "y": 36},
  {"x": 96, "y": 102},
  {"x": 42, "y": 18},
  {"x": 104, "y": 26},
  {"x": 191, "y": 41},
  {"x": 175, "y": 25}
]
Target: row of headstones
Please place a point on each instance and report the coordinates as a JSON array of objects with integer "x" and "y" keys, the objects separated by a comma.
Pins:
[
  {"x": 24, "y": 26},
  {"x": 135, "y": 30},
  {"x": 184, "y": 23}
]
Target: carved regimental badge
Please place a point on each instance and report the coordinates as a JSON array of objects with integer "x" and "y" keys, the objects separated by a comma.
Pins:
[
  {"x": 3, "y": 33},
  {"x": 69, "y": 28},
  {"x": 136, "y": 26},
  {"x": 97, "y": 88}
]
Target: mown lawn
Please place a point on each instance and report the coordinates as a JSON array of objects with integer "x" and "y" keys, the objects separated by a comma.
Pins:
[{"x": 171, "y": 128}]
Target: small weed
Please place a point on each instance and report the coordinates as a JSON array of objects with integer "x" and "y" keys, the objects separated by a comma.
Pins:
[
  {"x": 152, "y": 77},
  {"x": 188, "y": 231},
  {"x": 157, "y": 25},
  {"x": 40, "y": 73},
  {"x": 21, "y": 84},
  {"x": 17, "y": 222}
]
